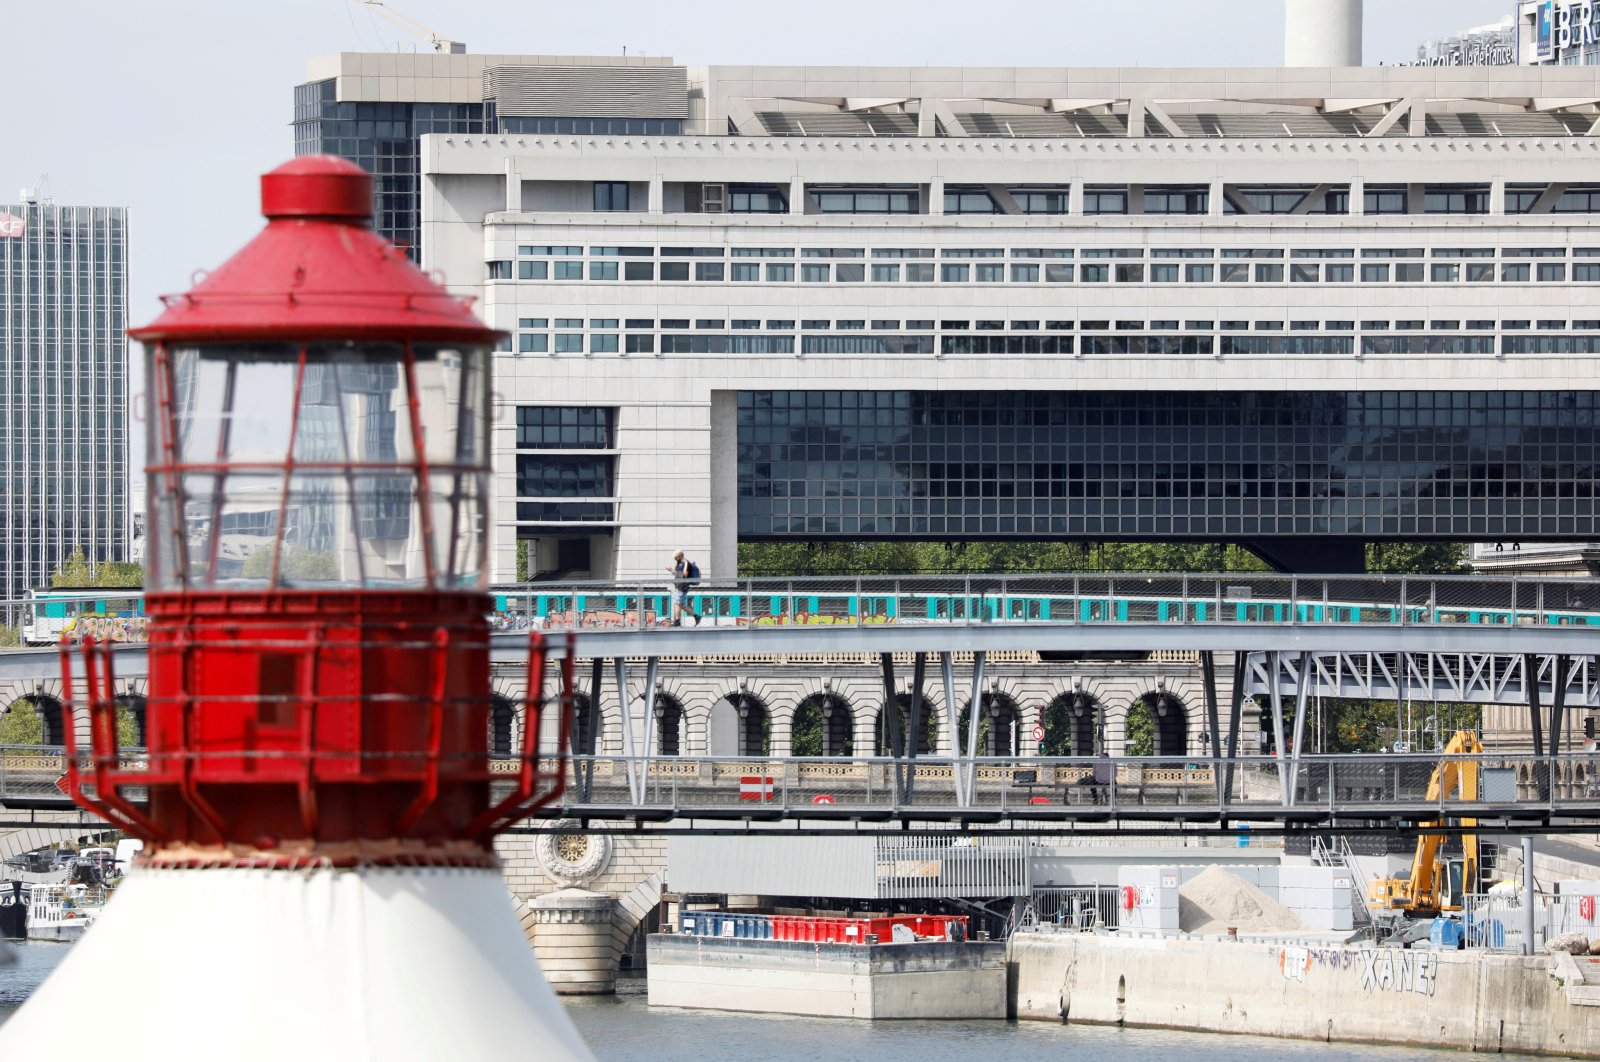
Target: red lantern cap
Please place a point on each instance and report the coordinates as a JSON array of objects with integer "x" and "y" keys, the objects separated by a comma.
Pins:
[{"x": 317, "y": 271}]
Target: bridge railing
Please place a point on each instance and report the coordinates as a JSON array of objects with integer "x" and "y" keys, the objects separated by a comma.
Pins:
[
  {"x": 1387, "y": 786},
  {"x": 860, "y": 601}
]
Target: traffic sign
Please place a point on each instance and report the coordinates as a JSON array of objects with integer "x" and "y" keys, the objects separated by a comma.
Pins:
[
  {"x": 822, "y": 798},
  {"x": 1038, "y": 732}
]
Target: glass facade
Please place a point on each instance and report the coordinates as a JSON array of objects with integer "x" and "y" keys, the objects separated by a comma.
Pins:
[
  {"x": 382, "y": 139},
  {"x": 63, "y": 390},
  {"x": 577, "y": 486},
  {"x": 1124, "y": 465}
]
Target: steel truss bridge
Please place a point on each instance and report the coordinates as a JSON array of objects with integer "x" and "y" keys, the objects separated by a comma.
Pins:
[{"x": 1465, "y": 639}]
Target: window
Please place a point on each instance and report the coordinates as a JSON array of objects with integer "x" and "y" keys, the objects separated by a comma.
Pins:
[
  {"x": 746, "y": 272},
  {"x": 779, "y": 271},
  {"x": 1101, "y": 199},
  {"x": 1235, "y": 272},
  {"x": 816, "y": 325},
  {"x": 533, "y": 322},
  {"x": 1408, "y": 273},
  {"x": 1586, "y": 272},
  {"x": 1338, "y": 272},
  {"x": 1444, "y": 272},
  {"x": 1455, "y": 199},
  {"x": 1303, "y": 273},
  {"x": 638, "y": 271},
  {"x": 968, "y": 201},
  {"x": 602, "y": 270},
  {"x": 885, "y": 274},
  {"x": 1199, "y": 274},
  {"x": 569, "y": 343},
  {"x": 540, "y": 476},
  {"x": 954, "y": 274},
  {"x": 1385, "y": 199},
  {"x": 814, "y": 273},
  {"x": 565, "y": 427},
  {"x": 885, "y": 326},
  {"x": 919, "y": 272},
  {"x": 533, "y": 343},
  {"x": 708, "y": 271},
  {"x": 1176, "y": 199},
  {"x": 747, "y": 201},
  {"x": 1513, "y": 272},
  {"x": 603, "y": 322},
  {"x": 1164, "y": 273},
  {"x": 1269, "y": 273},
  {"x": 674, "y": 270},
  {"x": 569, "y": 322},
  {"x": 1024, "y": 274},
  {"x": 533, "y": 270},
  {"x": 1372, "y": 273},
  {"x": 989, "y": 273},
  {"x": 569, "y": 270},
  {"x": 640, "y": 344},
  {"x": 610, "y": 195},
  {"x": 1130, "y": 274},
  {"x": 1094, "y": 274},
  {"x": 603, "y": 343},
  {"x": 866, "y": 202},
  {"x": 745, "y": 323},
  {"x": 850, "y": 273},
  {"x": 1552, "y": 272},
  {"x": 500, "y": 270}
]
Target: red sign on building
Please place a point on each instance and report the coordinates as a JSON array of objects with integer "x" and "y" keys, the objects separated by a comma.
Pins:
[{"x": 11, "y": 225}]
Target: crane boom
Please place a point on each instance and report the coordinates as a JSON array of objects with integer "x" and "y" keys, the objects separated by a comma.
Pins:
[{"x": 415, "y": 28}]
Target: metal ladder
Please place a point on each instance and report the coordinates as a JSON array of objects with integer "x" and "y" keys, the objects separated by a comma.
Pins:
[{"x": 1339, "y": 854}]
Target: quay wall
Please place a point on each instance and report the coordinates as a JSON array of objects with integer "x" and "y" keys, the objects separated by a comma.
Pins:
[
  {"x": 1467, "y": 1000},
  {"x": 928, "y": 980}
]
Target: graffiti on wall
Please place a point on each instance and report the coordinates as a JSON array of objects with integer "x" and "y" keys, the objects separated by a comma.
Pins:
[{"x": 1380, "y": 969}]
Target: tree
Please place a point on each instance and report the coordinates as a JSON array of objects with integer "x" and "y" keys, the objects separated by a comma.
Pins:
[
  {"x": 805, "y": 730},
  {"x": 20, "y": 725},
  {"x": 1139, "y": 733},
  {"x": 1417, "y": 558},
  {"x": 76, "y": 571},
  {"x": 295, "y": 564}
]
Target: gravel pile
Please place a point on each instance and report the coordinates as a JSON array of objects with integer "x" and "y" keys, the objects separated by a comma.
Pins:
[{"x": 1215, "y": 900}]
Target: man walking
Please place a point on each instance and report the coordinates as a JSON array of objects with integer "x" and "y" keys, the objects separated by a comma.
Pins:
[{"x": 685, "y": 573}]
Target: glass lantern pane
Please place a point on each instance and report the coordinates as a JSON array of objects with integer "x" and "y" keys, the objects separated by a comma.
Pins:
[{"x": 239, "y": 507}]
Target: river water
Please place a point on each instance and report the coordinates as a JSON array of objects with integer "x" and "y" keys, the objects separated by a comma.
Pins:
[{"x": 623, "y": 1029}]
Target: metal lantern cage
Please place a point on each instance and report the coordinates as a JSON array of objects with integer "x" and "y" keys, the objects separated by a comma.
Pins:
[{"x": 318, "y": 477}]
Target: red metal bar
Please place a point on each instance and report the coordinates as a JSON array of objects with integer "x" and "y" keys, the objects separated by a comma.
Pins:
[
  {"x": 188, "y": 789},
  {"x": 106, "y": 803},
  {"x": 527, "y": 796},
  {"x": 430, "y": 782},
  {"x": 310, "y": 696}
]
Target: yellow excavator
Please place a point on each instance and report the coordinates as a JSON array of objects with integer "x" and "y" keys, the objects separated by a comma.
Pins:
[{"x": 1444, "y": 869}]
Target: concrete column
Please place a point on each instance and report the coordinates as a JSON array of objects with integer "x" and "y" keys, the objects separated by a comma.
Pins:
[
  {"x": 797, "y": 195},
  {"x": 1322, "y": 33},
  {"x": 1497, "y": 196},
  {"x": 1075, "y": 199},
  {"x": 572, "y": 938},
  {"x": 513, "y": 186},
  {"x": 1527, "y": 895},
  {"x": 656, "y": 200},
  {"x": 936, "y": 196},
  {"x": 723, "y": 470},
  {"x": 1215, "y": 205},
  {"x": 1358, "y": 198}
]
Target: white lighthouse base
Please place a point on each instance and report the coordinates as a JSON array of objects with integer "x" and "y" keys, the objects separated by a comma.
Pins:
[{"x": 378, "y": 963}]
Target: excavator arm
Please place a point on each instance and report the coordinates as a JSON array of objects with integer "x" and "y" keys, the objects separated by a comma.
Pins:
[{"x": 1429, "y": 882}]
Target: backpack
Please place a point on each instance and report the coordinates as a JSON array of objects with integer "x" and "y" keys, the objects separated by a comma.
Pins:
[{"x": 693, "y": 574}]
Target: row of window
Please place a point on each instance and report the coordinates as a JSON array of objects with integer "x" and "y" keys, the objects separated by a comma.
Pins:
[
  {"x": 1116, "y": 344},
  {"x": 1052, "y": 272},
  {"x": 680, "y": 324},
  {"x": 1313, "y": 253}
]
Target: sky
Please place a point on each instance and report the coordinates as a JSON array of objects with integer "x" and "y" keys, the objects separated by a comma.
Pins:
[{"x": 173, "y": 107}]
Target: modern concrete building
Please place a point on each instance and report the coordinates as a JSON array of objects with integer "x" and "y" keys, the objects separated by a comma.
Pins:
[
  {"x": 1296, "y": 308},
  {"x": 63, "y": 388}
]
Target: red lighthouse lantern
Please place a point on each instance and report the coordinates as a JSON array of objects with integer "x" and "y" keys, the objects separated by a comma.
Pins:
[{"x": 318, "y": 693}]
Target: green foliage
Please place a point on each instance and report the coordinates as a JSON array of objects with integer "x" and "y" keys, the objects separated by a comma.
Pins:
[
  {"x": 77, "y": 571},
  {"x": 805, "y": 732},
  {"x": 10, "y": 637},
  {"x": 1417, "y": 558},
  {"x": 1139, "y": 736},
  {"x": 939, "y": 558},
  {"x": 127, "y": 730},
  {"x": 524, "y": 559},
  {"x": 296, "y": 565},
  {"x": 1058, "y": 729},
  {"x": 21, "y": 725},
  {"x": 1368, "y": 726}
]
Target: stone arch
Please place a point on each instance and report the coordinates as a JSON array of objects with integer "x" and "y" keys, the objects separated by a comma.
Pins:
[
  {"x": 927, "y": 741},
  {"x": 1074, "y": 725},
  {"x": 822, "y": 725},
  {"x": 1168, "y": 721},
  {"x": 632, "y": 910},
  {"x": 502, "y": 724},
  {"x": 137, "y": 714},
  {"x": 53, "y": 717},
  {"x": 999, "y": 725},
  {"x": 740, "y": 725},
  {"x": 670, "y": 724}
]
